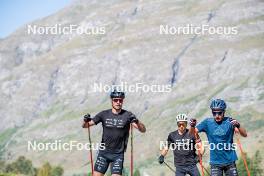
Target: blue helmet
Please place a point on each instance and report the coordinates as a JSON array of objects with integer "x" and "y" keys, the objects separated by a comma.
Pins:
[
  {"x": 218, "y": 104},
  {"x": 117, "y": 94}
]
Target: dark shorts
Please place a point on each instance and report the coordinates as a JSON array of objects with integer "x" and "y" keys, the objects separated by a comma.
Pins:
[
  {"x": 228, "y": 169},
  {"x": 104, "y": 159},
  {"x": 192, "y": 170}
]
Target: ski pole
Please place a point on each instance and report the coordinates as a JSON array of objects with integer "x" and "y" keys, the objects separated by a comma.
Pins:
[
  {"x": 131, "y": 157},
  {"x": 241, "y": 151},
  {"x": 90, "y": 149},
  {"x": 200, "y": 155},
  {"x": 207, "y": 171},
  {"x": 169, "y": 167}
]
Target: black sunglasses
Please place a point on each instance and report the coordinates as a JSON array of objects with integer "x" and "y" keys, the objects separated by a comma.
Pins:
[
  {"x": 118, "y": 100},
  {"x": 217, "y": 113},
  {"x": 181, "y": 124}
]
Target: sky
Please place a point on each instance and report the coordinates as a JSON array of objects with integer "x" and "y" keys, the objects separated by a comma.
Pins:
[{"x": 16, "y": 13}]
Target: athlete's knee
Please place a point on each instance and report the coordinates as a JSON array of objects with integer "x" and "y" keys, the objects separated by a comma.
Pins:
[{"x": 98, "y": 173}]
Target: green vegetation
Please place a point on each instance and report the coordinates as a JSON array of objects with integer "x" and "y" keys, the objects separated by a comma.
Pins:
[
  {"x": 186, "y": 100},
  {"x": 126, "y": 172},
  {"x": 254, "y": 165},
  {"x": 256, "y": 124},
  {"x": 23, "y": 166},
  {"x": 249, "y": 42},
  {"x": 6, "y": 135},
  {"x": 249, "y": 117},
  {"x": 57, "y": 107},
  {"x": 136, "y": 173},
  {"x": 261, "y": 96},
  {"x": 71, "y": 115},
  {"x": 48, "y": 170}
]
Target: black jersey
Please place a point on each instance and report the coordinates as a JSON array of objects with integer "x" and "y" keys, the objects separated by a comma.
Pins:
[
  {"x": 115, "y": 129},
  {"x": 183, "y": 147}
]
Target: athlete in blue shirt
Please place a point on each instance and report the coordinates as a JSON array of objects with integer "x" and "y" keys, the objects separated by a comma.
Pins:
[{"x": 220, "y": 131}]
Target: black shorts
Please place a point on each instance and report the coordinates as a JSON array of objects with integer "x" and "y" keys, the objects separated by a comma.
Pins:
[
  {"x": 104, "y": 159},
  {"x": 187, "y": 169},
  {"x": 228, "y": 169}
]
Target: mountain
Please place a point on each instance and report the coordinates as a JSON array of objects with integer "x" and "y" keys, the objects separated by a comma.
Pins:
[{"x": 47, "y": 79}]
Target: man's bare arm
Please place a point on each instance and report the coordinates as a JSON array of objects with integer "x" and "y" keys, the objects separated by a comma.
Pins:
[
  {"x": 242, "y": 131},
  {"x": 140, "y": 126}
]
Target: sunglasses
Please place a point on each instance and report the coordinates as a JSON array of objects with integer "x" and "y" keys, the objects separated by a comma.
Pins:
[
  {"x": 217, "y": 113},
  {"x": 117, "y": 100},
  {"x": 181, "y": 124}
]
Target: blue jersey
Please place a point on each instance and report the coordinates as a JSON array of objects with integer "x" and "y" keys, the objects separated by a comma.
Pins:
[{"x": 220, "y": 137}]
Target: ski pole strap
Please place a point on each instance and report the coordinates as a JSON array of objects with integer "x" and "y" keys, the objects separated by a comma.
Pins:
[
  {"x": 242, "y": 153},
  {"x": 169, "y": 167},
  {"x": 90, "y": 150},
  {"x": 131, "y": 157}
]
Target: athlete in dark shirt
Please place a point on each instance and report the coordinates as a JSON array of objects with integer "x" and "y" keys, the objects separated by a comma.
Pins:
[
  {"x": 115, "y": 129},
  {"x": 184, "y": 149},
  {"x": 116, "y": 124},
  {"x": 183, "y": 145}
]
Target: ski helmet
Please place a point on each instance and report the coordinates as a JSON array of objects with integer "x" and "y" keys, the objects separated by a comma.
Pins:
[
  {"x": 181, "y": 118},
  {"x": 218, "y": 104},
  {"x": 117, "y": 94}
]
